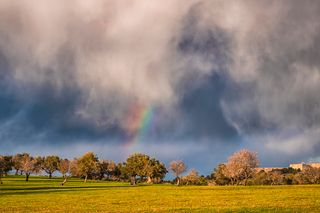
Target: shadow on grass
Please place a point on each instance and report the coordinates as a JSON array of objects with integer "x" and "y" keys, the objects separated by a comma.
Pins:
[
  {"x": 37, "y": 180},
  {"x": 54, "y": 189}
]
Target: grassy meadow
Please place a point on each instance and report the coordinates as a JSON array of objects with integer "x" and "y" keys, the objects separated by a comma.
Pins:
[{"x": 43, "y": 195}]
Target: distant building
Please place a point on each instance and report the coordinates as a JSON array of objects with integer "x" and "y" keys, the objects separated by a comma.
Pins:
[
  {"x": 303, "y": 165},
  {"x": 300, "y": 166},
  {"x": 315, "y": 165}
]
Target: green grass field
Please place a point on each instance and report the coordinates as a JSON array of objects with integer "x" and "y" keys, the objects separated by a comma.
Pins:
[{"x": 43, "y": 195}]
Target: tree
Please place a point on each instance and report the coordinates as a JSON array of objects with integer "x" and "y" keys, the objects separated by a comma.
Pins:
[
  {"x": 241, "y": 166},
  {"x": 17, "y": 162},
  {"x": 155, "y": 171},
  {"x": 120, "y": 172},
  {"x": 88, "y": 165},
  {"x": 219, "y": 176},
  {"x": 261, "y": 178},
  {"x": 178, "y": 167},
  {"x": 28, "y": 165},
  {"x": 2, "y": 167},
  {"x": 103, "y": 168},
  {"x": 192, "y": 178},
  {"x": 7, "y": 164},
  {"x": 312, "y": 174},
  {"x": 136, "y": 165},
  {"x": 74, "y": 168},
  {"x": 111, "y": 169},
  {"x": 37, "y": 164},
  {"x": 64, "y": 168},
  {"x": 145, "y": 167},
  {"x": 51, "y": 164},
  {"x": 309, "y": 175},
  {"x": 276, "y": 177},
  {"x": 107, "y": 167}
]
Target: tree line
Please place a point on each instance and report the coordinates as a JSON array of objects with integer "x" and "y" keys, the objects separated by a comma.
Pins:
[
  {"x": 240, "y": 169},
  {"x": 137, "y": 166}
]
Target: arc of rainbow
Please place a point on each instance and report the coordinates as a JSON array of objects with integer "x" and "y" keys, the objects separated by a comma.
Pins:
[{"x": 142, "y": 122}]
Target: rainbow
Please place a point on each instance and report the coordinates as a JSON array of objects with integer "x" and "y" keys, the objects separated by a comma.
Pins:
[{"x": 138, "y": 124}]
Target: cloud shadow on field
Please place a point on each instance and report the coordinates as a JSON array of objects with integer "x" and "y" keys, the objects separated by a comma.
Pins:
[{"x": 60, "y": 189}]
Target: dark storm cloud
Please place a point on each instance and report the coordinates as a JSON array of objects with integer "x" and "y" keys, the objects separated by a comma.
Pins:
[
  {"x": 9, "y": 104},
  {"x": 202, "y": 112},
  {"x": 200, "y": 104},
  {"x": 49, "y": 109}
]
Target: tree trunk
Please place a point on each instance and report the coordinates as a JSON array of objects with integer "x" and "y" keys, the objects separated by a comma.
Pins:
[
  {"x": 50, "y": 175},
  {"x": 64, "y": 181},
  {"x": 27, "y": 177},
  {"x": 149, "y": 180},
  {"x": 85, "y": 178},
  {"x": 133, "y": 180},
  {"x": 21, "y": 172},
  {"x": 17, "y": 172},
  {"x": 0, "y": 178},
  {"x": 178, "y": 181},
  {"x": 233, "y": 181}
]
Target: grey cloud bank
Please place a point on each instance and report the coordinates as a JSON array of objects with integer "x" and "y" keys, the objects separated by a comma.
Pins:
[{"x": 222, "y": 75}]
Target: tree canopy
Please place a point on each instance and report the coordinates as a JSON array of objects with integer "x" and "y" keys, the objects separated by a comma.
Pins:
[
  {"x": 51, "y": 164},
  {"x": 241, "y": 166},
  {"x": 178, "y": 167}
]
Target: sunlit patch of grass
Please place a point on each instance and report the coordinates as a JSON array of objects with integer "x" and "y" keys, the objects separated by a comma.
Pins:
[{"x": 43, "y": 195}]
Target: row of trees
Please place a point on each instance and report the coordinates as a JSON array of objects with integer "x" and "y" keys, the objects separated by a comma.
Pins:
[
  {"x": 139, "y": 166},
  {"x": 27, "y": 164},
  {"x": 240, "y": 169}
]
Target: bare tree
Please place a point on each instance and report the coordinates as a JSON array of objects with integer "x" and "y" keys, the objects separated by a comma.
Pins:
[
  {"x": 178, "y": 167},
  {"x": 64, "y": 168},
  {"x": 28, "y": 165},
  {"x": 241, "y": 166},
  {"x": 17, "y": 164},
  {"x": 192, "y": 177}
]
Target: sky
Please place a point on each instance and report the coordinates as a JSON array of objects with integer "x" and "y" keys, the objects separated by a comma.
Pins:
[{"x": 194, "y": 80}]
